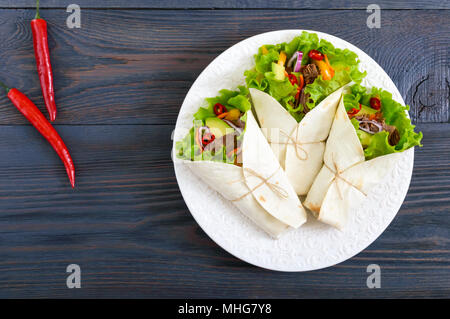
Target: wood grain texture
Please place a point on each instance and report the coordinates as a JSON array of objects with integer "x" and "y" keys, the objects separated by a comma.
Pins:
[
  {"x": 136, "y": 66},
  {"x": 120, "y": 81},
  {"x": 128, "y": 228},
  {"x": 231, "y": 4}
]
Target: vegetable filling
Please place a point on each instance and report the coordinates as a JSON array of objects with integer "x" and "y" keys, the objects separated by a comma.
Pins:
[
  {"x": 382, "y": 127},
  {"x": 314, "y": 69},
  {"x": 218, "y": 129}
]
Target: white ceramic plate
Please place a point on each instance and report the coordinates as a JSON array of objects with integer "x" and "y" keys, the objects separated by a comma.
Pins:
[{"x": 314, "y": 245}]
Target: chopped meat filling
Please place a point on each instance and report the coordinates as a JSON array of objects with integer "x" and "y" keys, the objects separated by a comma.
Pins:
[
  {"x": 394, "y": 135},
  {"x": 368, "y": 125},
  {"x": 310, "y": 73}
]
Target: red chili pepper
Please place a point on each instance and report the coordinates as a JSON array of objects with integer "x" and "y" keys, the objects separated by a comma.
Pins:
[
  {"x": 219, "y": 109},
  {"x": 207, "y": 138},
  {"x": 316, "y": 55},
  {"x": 38, "y": 120},
  {"x": 42, "y": 53},
  {"x": 375, "y": 103},
  {"x": 354, "y": 111},
  {"x": 292, "y": 79}
]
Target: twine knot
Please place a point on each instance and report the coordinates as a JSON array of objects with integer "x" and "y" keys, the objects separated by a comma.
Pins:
[
  {"x": 337, "y": 175},
  {"x": 280, "y": 191}
]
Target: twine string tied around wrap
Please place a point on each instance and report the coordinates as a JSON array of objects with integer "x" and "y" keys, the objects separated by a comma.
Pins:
[
  {"x": 337, "y": 175},
  {"x": 278, "y": 190},
  {"x": 297, "y": 143}
]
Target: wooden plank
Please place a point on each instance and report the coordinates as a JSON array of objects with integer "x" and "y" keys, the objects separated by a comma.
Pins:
[
  {"x": 128, "y": 228},
  {"x": 135, "y": 66},
  {"x": 242, "y": 4}
]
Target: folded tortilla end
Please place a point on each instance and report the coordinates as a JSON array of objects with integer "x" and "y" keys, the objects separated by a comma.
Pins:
[
  {"x": 267, "y": 180},
  {"x": 303, "y": 213},
  {"x": 336, "y": 223},
  {"x": 314, "y": 209}
]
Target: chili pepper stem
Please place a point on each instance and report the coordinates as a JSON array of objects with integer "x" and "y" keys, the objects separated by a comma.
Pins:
[
  {"x": 7, "y": 89},
  {"x": 37, "y": 16}
]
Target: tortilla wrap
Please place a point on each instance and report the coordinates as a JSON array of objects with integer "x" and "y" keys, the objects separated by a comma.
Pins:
[
  {"x": 272, "y": 205},
  {"x": 299, "y": 147},
  {"x": 332, "y": 194}
]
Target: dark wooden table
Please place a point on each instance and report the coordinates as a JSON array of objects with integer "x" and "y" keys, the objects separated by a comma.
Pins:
[{"x": 120, "y": 80}]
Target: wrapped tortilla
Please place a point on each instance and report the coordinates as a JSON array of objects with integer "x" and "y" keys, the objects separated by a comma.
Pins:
[
  {"x": 345, "y": 177},
  {"x": 299, "y": 147},
  {"x": 258, "y": 186}
]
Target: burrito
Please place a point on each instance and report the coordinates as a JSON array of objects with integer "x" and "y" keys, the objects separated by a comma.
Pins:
[
  {"x": 369, "y": 131},
  {"x": 228, "y": 151},
  {"x": 295, "y": 89}
]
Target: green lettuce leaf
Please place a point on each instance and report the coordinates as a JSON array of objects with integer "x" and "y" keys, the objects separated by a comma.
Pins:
[
  {"x": 187, "y": 148},
  {"x": 393, "y": 113},
  {"x": 352, "y": 101},
  {"x": 230, "y": 99},
  {"x": 263, "y": 62},
  {"x": 279, "y": 89},
  {"x": 346, "y": 69}
]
